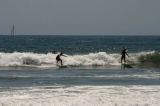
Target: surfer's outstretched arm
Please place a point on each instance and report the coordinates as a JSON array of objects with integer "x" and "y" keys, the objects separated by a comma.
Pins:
[
  {"x": 64, "y": 55},
  {"x": 127, "y": 54}
]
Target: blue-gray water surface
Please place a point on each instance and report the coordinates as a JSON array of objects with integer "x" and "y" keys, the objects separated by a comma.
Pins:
[
  {"x": 72, "y": 77},
  {"x": 78, "y": 44},
  {"x": 29, "y": 77}
]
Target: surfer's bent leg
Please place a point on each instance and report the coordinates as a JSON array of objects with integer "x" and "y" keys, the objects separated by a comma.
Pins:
[
  {"x": 121, "y": 59},
  {"x": 124, "y": 59},
  {"x": 61, "y": 62},
  {"x": 57, "y": 62}
]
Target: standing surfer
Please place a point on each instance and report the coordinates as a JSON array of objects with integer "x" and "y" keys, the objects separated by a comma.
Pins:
[
  {"x": 123, "y": 55},
  {"x": 59, "y": 59}
]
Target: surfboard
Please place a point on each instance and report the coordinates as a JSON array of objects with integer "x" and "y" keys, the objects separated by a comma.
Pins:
[
  {"x": 63, "y": 66},
  {"x": 127, "y": 65}
]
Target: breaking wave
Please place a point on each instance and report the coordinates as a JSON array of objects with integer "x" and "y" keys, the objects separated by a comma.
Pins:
[{"x": 30, "y": 59}]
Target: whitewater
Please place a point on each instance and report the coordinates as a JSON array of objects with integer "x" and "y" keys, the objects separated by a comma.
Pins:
[
  {"x": 31, "y": 59},
  {"x": 83, "y": 96},
  {"x": 33, "y": 79}
]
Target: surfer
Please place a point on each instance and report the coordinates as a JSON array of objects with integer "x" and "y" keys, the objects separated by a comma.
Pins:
[
  {"x": 124, "y": 53},
  {"x": 59, "y": 59}
]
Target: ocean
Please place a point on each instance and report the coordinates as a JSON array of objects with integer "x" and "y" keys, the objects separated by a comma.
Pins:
[{"x": 93, "y": 76}]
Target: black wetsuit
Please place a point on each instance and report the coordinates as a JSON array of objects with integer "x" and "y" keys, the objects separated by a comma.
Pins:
[
  {"x": 123, "y": 57},
  {"x": 59, "y": 59}
]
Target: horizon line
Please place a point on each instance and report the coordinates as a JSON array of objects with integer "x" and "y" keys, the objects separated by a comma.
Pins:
[{"x": 79, "y": 35}]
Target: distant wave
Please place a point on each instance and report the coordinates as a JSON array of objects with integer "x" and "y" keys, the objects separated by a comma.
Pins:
[{"x": 29, "y": 59}]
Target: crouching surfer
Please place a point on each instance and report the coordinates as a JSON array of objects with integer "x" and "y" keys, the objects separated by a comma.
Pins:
[{"x": 58, "y": 58}]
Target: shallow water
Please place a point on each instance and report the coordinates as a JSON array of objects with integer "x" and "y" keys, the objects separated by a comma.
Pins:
[
  {"x": 86, "y": 86},
  {"x": 78, "y": 76}
]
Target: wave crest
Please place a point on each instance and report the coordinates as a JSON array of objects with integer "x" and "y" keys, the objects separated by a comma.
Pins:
[{"x": 48, "y": 60}]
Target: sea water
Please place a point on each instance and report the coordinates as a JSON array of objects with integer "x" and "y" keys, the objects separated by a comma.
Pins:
[{"x": 94, "y": 76}]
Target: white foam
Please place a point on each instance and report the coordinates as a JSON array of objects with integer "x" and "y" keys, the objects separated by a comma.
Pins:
[
  {"x": 48, "y": 60},
  {"x": 83, "y": 96}
]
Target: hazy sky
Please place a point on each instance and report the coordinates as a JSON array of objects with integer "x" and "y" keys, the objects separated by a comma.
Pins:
[{"x": 93, "y": 17}]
